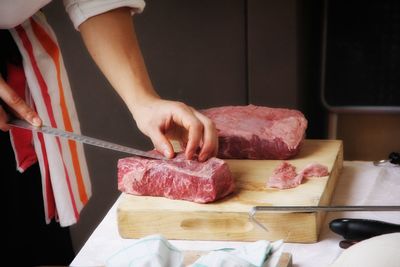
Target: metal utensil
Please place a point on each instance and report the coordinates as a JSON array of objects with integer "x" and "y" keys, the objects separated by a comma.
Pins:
[
  {"x": 82, "y": 139},
  {"x": 254, "y": 210},
  {"x": 393, "y": 158}
]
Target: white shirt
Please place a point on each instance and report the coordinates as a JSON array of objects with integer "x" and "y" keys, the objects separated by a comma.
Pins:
[{"x": 14, "y": 12}]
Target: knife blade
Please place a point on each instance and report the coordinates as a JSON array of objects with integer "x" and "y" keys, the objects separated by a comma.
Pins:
[
  {"x": 256, "y": 209},
  {"x": 82, "y": 139}
]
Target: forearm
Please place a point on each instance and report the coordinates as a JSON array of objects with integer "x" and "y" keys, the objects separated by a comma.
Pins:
[{"x": 110, "y": 39}]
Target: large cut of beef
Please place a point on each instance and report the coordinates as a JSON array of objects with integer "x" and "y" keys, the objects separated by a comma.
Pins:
[
  {"x": 179, "y": 178},
  {"x": 255, "y": 132}
]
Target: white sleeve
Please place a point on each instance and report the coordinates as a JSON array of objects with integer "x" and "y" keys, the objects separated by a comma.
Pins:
[{"x": 81, "y": 10}]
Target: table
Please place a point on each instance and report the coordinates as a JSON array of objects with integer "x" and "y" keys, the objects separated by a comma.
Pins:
[{"x": 360, "y": 183}]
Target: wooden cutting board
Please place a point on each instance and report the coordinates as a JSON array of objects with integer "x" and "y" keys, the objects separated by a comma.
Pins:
[{"x": 228, "y": 219}]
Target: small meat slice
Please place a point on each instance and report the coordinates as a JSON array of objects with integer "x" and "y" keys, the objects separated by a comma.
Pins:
[
  {"x": 315, "y": 170},
  {"x": 257, "y": 132},
  {"x": 285, "y": 176},
  {"x": 200, "y": 182}
]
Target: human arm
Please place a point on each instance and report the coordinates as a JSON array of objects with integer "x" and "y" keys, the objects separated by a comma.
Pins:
[{"x": 110, "y": 38}]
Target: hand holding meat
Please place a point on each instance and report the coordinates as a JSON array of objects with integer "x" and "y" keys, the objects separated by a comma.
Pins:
[
  {"x": 162, "y": 120},
  {"x": 17, "y": 105}
]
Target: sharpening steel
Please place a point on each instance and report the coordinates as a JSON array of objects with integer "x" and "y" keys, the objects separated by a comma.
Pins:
[
  {"x": 82, "y": 139},
  {"x": 254, "y": 210}
]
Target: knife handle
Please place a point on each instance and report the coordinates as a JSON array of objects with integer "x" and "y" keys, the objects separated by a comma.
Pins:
[
  {"x": 360, "y": 229},
  {"x": 347, "y": 243},
  {"x": 394, "y": 158}
]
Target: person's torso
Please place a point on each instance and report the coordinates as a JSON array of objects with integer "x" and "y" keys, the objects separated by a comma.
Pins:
[{"x": 14, "y": 12}]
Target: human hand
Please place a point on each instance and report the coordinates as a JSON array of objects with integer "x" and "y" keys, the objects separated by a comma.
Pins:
[
  {"x": 162, "y": 120},
  {"x": 111, "y": 41},
  {"x": 16, "y": 105}
]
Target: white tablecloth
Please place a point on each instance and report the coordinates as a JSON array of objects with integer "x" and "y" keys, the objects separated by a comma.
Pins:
[{"x": 360, "y": 183}]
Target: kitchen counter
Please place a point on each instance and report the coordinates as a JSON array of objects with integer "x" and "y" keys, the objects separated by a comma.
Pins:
[{"x": 360, "y": 183}]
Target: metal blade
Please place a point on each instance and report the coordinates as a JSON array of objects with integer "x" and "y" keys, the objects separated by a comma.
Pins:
[
  {"x": 324, "y": 208},
  {"x": 255, "y": 209},
  {"x": 83, "y": 139}
]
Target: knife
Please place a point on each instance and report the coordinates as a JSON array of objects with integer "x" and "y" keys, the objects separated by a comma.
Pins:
[
  {"x": 394, "y": 158},
  {"x": 360, "y": 229},
  {"x": 256, "y": 209},
  {"x": 82, "y": 139}
]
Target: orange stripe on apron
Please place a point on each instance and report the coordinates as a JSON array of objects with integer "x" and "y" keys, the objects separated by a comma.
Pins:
[
  {"x": 52, "y": 49},
  {"x": 44, "y": 90}
]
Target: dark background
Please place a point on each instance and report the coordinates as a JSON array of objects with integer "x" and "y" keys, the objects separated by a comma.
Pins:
[{"x": 363, "y": 53}]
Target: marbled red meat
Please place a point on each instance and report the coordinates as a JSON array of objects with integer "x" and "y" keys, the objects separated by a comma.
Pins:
[
  {"x": 179, "y": 178},
  {"x": 285, "y": 176},
  {"x": 255, "y": 132},
  {"x": 315, "y": 170}
]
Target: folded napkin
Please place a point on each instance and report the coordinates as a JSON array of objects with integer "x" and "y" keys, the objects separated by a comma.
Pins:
[
  {"x": 249, "y": 255},
  {"x": 153, "y": 250},
  {"x": 156, "y": 251}
]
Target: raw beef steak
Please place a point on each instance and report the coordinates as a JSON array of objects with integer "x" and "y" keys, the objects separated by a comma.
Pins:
[
  {"x": 285, "y": 176},
  {"x": 191, "y": 180},
  {"x": 315, "y": 170},
  {"x": 255, "y": 132}
]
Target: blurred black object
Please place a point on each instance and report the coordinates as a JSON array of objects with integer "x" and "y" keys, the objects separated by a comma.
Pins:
[
  {"x": 362, "y": 54},
  {"x": 359, "y": 229}
]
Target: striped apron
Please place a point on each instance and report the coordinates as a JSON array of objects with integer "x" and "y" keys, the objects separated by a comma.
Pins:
[{"x": 65, "y": 177}]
